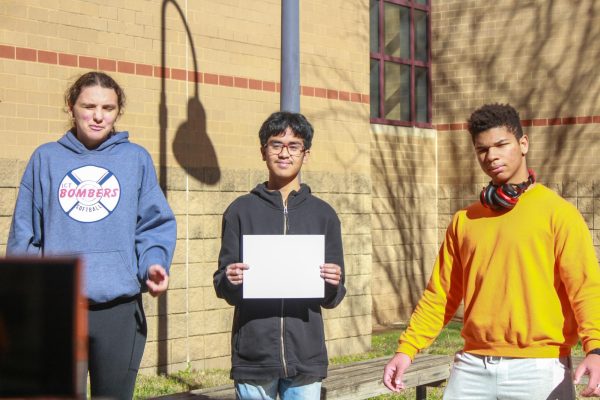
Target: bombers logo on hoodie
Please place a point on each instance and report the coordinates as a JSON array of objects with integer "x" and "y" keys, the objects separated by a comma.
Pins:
[{"x": 89, "y": 194}]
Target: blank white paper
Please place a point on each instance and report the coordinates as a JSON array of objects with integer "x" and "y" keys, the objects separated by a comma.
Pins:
[{"x": 283, "y": 266}]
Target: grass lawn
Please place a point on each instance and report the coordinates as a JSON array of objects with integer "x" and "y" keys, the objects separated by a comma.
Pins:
[
  {"x": 179, "y": 382},
  {"x": 382, "y": 344}
]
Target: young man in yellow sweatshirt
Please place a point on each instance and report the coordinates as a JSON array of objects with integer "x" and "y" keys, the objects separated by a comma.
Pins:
[{"x": 523, "y": 262}]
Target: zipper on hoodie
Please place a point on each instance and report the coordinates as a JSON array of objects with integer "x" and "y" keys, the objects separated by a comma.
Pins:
[{"x": 282, "y": 322}]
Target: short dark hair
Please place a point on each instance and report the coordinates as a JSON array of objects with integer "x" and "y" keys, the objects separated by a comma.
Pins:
[
  {"x": 279, "y": 121},
  {"x": 94, "y": 78},
  {"x": 494, "y": 116}
]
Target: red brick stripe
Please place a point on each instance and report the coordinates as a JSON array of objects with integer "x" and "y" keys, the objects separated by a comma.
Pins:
[
  {"x": 143, "y": 69},
  {"x": 26, "y": 54},
  {"x": 48, "y": 57},
  {"x": 308, "y": 91},
  {"x": 269, "y": 86},
  {"x": 197, "y": 77},
  {"x": 554, "y": 121},
  {"x": 225, "y": 80},
  {"x": 179, "y": 74},
  {"x": 160, "y": 72},
  {"x": 255, "y": 84},
  {"x": 320, "y": 92},
  {"x": 240, "y": 82},
  {"x": 7, "y": 51},
  {"x": 69, "y": 60},
  {"x": 107, "y": 65},
  {"x": 583, "y": 120},
  {"x": 126, "y": 67},
  {"x": 88, "y": 62}
]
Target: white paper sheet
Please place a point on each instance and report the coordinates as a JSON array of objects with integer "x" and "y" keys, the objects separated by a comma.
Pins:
[{"x": 283, "y": 266}]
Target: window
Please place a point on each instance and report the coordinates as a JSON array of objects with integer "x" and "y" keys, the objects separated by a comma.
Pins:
[{"x": 400, "y": 62}]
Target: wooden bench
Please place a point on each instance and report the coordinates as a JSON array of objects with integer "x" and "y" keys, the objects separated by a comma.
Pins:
[
  {"x": 362, "y": 380},
  {"x": 354, "y": 381}
]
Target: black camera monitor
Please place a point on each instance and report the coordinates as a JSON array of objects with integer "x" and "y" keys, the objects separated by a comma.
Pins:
[{"x": 43, "y": 328}]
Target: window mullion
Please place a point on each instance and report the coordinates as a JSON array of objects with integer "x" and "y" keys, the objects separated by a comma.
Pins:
[
  {"x": 414, "y": 73},
  {"x": 429, "y": 89},
  {"x": 412, "y": 65},
  {"x": 381, "y": 59}
]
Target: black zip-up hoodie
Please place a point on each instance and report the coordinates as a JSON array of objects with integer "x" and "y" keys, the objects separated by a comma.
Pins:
[{"x": 278, "y": 338}]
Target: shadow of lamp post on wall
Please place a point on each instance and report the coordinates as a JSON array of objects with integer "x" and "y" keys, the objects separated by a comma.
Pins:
[{"x": 192, "y": 149}]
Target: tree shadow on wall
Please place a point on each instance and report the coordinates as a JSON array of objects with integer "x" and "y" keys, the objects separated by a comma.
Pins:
[
  {"x": 403, "y": 193},
  {"x": 536, "y": 55},
  {"x": 524, "y": 53},
  {"x": 192, "y": 146},
  {"x": 403, "y": 263}
]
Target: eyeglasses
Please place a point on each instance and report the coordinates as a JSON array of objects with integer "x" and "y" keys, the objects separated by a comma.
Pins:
[{"x": 294, "y": 149}]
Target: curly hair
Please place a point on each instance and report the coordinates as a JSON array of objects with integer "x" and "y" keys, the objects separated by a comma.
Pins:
[
  {"x": 493, "y": 116},
  {"x": 278, "y": 122}
]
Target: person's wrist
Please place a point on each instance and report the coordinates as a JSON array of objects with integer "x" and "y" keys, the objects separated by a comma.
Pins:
[{"x": 594, "y": 351}]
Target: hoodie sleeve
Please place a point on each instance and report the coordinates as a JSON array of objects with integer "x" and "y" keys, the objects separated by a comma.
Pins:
[
  {"x": 156, "y": 229},
  {"x": 26, "y": 230},
  {"x": 334, "y": 253},
  {"x": 230, "y": 253}
]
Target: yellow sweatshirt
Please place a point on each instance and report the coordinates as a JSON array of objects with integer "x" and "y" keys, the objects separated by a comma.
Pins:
[{"x": 529, "y": 279}]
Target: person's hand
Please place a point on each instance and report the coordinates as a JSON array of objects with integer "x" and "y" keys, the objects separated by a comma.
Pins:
[
  {"x": 393, "y": 371},
  {"x": 589, "y": 366},
  {"x": 332, "y": 273},
  {"x": 235, "y": 273},
  {"x": 158, "y": 280}
]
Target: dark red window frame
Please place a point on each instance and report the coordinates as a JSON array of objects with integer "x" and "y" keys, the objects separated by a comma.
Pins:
[{"x": 411, "y": 62}]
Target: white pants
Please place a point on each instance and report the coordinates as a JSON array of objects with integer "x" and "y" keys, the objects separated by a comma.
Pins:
[{"x": 475, "y": 377}]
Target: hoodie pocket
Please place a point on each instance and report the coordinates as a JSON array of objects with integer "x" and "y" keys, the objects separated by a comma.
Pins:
[
  {"x": 257, "y": 333},
  {"x": 108, "y": 275},
  {"x": 306, "y": 335}
]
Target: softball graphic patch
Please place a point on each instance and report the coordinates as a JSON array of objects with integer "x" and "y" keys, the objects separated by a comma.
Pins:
[{"x": 89, "y": 194}]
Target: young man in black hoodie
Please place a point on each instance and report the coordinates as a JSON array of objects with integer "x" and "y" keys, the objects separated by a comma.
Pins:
[{"x": 278, "y": 345}]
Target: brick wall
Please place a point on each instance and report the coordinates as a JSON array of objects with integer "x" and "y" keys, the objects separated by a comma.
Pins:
[
  {"x": 199, "y": 120},
  {"x": 539, "y": 56},
  {"x": 404, "y": 219}
]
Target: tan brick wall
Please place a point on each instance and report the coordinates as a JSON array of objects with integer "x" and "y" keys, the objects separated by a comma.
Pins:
[
  {"x": 211, "y": 148},
  {"x": 540, "y": 56},
  {"x": 404, "y": 219}
]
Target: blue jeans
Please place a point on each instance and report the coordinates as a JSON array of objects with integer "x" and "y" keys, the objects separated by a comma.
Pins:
[
  {"x": 476, "y": 377},
  {"x": 299, "y": 387}
]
